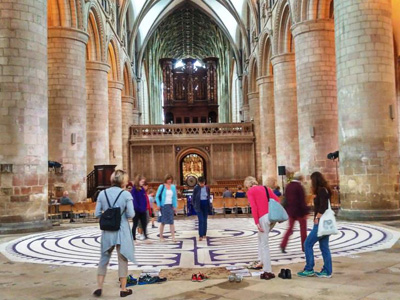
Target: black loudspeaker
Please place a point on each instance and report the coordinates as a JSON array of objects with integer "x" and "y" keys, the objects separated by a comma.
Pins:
[{"x": 281, "y": 170}]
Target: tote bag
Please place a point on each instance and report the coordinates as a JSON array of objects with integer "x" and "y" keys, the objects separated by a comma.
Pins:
[
  {"x": 327, "y": 223},
  {"x": 276, "y": 212}
]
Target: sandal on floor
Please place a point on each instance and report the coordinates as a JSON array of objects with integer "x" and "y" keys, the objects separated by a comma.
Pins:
[
  {"x": 125, "y": 293},
  {"x": 256, "y": 265},
  {"x": 97, "y": 293}
]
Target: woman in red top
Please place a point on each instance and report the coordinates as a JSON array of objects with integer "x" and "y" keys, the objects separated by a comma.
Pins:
[{"x": 259, "y": 208}]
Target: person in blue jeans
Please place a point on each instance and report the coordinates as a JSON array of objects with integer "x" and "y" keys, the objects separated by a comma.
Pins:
[
  {"x": 201, "y": 204},
  {"x": 322, "y": 192}
]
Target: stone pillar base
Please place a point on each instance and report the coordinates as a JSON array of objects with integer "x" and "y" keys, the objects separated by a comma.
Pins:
[
  {"x": 369, "y": 215},
  {"x": 25, "y": 227}
]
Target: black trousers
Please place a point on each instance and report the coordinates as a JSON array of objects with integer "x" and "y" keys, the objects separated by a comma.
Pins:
[{"x": 142, "y": 217}]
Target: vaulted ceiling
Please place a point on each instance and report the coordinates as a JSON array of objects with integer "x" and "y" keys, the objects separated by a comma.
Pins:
[
  {"x": 188, "y": 32},
  {"x": 145, "y": 16}
]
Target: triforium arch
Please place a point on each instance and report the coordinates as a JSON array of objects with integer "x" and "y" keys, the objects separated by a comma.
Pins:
[
  {"x": 65, "y": 13},
  {"x": 283, "y": 40},
  {"x": 95, "y": 27}
]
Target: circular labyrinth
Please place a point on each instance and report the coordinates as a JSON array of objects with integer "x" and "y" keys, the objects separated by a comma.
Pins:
[{"x": 229, "y": 242}]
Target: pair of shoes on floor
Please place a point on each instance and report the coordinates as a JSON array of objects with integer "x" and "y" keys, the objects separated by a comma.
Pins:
[
  {"x": 285, "y": 274},
  {"x": 255, "y": 265},
  {"x": 267, "y": 276},
  {"x": 125, "y": 293},
  {"x": 199, "y": 277},
  {"x": 147, "y": 279},
  {"x": 235, "y": 278}
]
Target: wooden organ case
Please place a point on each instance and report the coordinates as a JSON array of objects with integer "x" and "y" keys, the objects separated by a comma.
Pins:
[{"x": 190, "y": 92}]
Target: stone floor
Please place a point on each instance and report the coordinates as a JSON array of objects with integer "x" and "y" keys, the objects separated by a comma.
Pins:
[{"x": 370, "y": 276}]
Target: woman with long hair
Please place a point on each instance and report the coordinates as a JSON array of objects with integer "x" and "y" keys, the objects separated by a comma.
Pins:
[
  {"x": 167, "y": 201},
  {"x": 322, "y": 192},
  {"x": 258, "y": 198},
  {"x": 120, "y": 239},
  {"x": 140, "y": 205}
]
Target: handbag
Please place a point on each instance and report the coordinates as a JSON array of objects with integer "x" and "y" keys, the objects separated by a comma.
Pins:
[
  {"x": 327, "y": 223},
  {"x": 276, "y": 212},
  {"x": 110, "y": 220}
]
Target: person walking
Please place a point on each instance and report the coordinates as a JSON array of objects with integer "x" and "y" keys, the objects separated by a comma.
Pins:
[
  {"x": 201, "y": 203},
  {"x": 257, "y": 196},
  {"x": 167, "y": 202},
  {"x": 122, "y": 239},
  {"x": 322, "y": 192},
  {"x": 296, "y": 208},
  {"x": 140, "y": 205}
]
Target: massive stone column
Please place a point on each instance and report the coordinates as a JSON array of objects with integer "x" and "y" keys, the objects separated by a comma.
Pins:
[
  {"x": 67, "y": 109},
  {"x": 246, "y": 113},
  {"x": 97, "y": 114},
  {"x": 23, "y": 116},
  {"x": 267, "y": 128},
  {"x": 368, "y": 136},
  {"x": 286, "y": 124},
  {"x": 127, "y": 122},
  {"x": 115, "y": 122},
  {"x": 254, "y": 113},
  {"x": 316, "y": 96}
]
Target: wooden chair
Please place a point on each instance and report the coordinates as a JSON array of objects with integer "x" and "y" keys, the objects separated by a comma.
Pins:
[
  {"x": 243, "y": 203},
  {"x": 64, "y": 209},
  {"x": 90, "y": 208},
  {"x": 219, "y": 203},
  {"x": 230, "y": 203},
  {"x": 79, "y": 208},
  {"x": 181, "y": 206}
]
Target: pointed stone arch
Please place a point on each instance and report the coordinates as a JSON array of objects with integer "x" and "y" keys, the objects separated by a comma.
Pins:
[
  {"x": 283, "y": 40},
  {"x": 95, "y": 46},
  {"x": 253, "y": 75},
  {"x": 114, "y": 61},
  {"x": 127, "y": 79},
  {"x": 245, "y": 88},
  {"x": 265, "y": 54},
  {"x": 96, "y": 50},
  {"x": 65, "y": 13}
]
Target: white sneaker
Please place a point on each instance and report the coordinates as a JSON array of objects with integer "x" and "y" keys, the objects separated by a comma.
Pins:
[{"x": 141, "y": 237}]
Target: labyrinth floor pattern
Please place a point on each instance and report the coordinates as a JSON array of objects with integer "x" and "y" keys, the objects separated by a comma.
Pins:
[{"x": 229, "y": 242}]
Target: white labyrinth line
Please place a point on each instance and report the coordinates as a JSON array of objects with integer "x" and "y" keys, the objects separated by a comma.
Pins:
[{"x": 230, "y": 241}]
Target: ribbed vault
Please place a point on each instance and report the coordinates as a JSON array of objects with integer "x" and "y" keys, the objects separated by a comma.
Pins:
[{"x": 188, "y": 32}]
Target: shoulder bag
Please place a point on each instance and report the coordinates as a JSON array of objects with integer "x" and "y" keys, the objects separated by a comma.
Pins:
[{"x": 276, "y": 212}]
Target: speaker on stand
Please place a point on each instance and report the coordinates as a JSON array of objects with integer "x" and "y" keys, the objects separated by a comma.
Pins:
[{"x": 282, "y": 172}]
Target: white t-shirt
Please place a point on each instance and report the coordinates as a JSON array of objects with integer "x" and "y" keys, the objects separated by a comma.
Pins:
[{"x": 168, "y": 197}]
